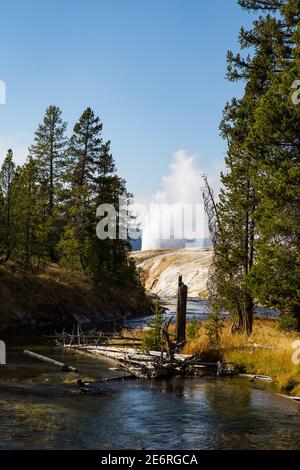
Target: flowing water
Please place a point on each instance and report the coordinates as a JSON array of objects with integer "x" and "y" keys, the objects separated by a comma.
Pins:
[
  {"x": 40, "y": 408},
  {"x": 196, "y": 308}
]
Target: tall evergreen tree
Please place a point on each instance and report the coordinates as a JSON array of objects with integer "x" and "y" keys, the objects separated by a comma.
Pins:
[
  {"x": 48, "y": 150},
  {"x": 235, "y": 255},
  {"x": 7, "y": 175},
  {"x": 92, "y": 180},
  {"x": 110, "y": 189},
  {"x": 276, "y": 277},
  {"x": 2, "y": 226},
  {"x": 83, "y": 152},
  {"x": 29, "y": 216}
]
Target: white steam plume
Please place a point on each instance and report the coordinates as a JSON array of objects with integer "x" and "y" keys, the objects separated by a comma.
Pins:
[{"x": 182, "y": 187}]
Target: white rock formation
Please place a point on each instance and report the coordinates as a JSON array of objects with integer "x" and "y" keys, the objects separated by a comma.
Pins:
[{"x": 160, "y": 270}]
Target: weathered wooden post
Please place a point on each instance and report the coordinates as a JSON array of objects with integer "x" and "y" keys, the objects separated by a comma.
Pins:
[{"x": 181, "y": 311}]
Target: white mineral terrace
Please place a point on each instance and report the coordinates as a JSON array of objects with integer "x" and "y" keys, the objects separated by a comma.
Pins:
[{"x": 160, "y": 270}]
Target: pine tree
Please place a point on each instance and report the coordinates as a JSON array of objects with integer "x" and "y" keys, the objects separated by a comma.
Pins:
[
  {"x": 84, "y": 150},
  {"x": 2, "y": 226},
  {"x": 276, "y": 277},
  {"x": 7, "y": 175},
  {"x": 237, "y": 231},
  {"x": 48, "y": 151},
  {"x": 29, "y": 214},
  {"x": 153, "y": 338},
  {"x": 92, "y": 181},
  {"x": 110, "y": 189}
]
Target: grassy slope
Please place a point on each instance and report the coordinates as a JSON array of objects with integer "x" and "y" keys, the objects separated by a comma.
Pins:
[
  {"x": 59, "y": 296},
  {"x": 268, "y": 352}
]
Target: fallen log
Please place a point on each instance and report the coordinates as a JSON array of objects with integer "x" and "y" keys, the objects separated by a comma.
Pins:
[
  {"x": 289, "y": 397},
  {"x": 64, "y": 367},
  {"x": 115, "y": 352},
  {"x": 254, "y": 377},
  {"x": 155, "y": 364}
]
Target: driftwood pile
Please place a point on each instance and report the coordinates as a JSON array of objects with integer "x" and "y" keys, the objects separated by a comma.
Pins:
[
  {"x": 155, "y": 364},
  {"x": 138, "y": 363}
]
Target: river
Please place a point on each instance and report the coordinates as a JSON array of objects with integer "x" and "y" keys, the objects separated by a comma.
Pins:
[
  {"x": 41, "y": 409},
  {"x": 196, "y": 308}
]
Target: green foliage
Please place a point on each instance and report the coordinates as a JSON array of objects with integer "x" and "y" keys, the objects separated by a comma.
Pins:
[
  {"x": 48, "y": 205},
  {"x": 7, "y": 174},
  {"x": 28, "y": 214},
  {"x": 257, "y": 235},
  {"x": 287, "y": 322},
  {"x": 215, "y": 325},
  {"x": 276, "y": 277},
  {"x": 152, "y": 339},
  {"x": 48, "y": 153},
  {"x": 68, "y": 249},
  {"x": 92, "y": 180},
  {"x": 290, "y": 384},
  {"x": 192, "y": 328}
]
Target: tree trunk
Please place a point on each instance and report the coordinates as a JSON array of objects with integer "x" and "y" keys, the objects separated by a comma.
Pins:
[
  {"x": 181, "y": 311},
  {"x": 248, "y": 307}
]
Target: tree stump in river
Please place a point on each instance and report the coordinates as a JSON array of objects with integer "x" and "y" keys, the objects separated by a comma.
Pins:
[{"x": 181, "y": 311}]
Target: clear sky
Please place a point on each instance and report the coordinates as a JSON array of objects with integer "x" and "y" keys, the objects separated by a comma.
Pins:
[{"x": 153, "y": 70}]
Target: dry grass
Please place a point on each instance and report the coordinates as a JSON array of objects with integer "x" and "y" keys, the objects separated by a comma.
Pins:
[{"x": 268, "y": 352}]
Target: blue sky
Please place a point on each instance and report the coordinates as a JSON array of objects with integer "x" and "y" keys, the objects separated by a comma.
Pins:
[{"x": 153, "y": 70}]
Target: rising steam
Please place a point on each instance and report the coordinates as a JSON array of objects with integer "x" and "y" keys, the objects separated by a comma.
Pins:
[{"x": 180, "y": 193}]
